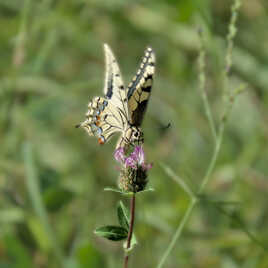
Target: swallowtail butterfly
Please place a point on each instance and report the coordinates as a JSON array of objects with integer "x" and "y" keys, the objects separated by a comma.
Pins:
[{"x": 121, "y": 109}]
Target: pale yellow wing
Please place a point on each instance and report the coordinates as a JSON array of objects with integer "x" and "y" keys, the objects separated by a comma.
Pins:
[{"x": 114, "y": 89}]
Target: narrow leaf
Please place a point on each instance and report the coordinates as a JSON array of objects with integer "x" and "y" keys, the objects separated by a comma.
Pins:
[
  {"x": 150, "y": 189},
  {"x": 110, "y": 189},
  {"x": 134, "y": 241},
  {"x": 177, "y": 179},
  {"x": 33, "y": 187},
  {"x": 217, "y": 202},
  {"x": 123, "y": 215},
  {"x": 114, "y": 233}
]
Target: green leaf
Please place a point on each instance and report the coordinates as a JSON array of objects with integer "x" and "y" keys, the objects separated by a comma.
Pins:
[
  {"x": 129, "y": 194},
  {"x": 32, "y": 183},
  {"x": 209, "y": 199},
  {"x": 110, "y": 189},
  {"x": 133, "y": 243},
  {"x": 114, "y": 233},
  {"x": 150, "y": 189},
  {"x": 123, "y": 215},
  {"x": 39, "y": 232}
]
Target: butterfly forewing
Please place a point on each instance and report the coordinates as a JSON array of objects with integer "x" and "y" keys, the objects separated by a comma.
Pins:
[
  {"x": 139, "y": 90},
  {"x": 108, "y": 115},
  {"x": 114, "y": 89}
]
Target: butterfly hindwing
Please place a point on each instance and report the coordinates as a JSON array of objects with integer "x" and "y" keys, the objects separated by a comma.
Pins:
[
  {"x": 103, "y": 119},
  {"x": 139, "y": 90},
  {"x": 110, "y": 121}
]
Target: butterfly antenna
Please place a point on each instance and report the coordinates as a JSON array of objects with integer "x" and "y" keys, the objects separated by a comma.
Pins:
[
  {"x": 162, "y": 127},
  {"x": 165, "y": 127}
]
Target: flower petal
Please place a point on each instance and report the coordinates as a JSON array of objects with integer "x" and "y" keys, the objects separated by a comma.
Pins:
[
  {"x": 147, "y": 166},
  {"x": 138, "y": 155},
  {"x": 119, "y": 155},
  {"x": 130, "y": 162},
  {"x": 134, "y": 155}
]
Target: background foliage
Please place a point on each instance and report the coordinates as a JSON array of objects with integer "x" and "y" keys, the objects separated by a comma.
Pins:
[{"x": 52, "y": 63}]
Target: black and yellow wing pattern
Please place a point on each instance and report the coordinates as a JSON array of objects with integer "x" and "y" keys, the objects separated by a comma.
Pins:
[
  {"x": 121, "y": 109},
  {"x": 139, "y": 90},
  {"x": 108, "y": 115}
]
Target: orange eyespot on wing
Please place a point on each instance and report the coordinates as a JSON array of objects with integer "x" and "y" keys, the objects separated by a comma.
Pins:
[{"x": 101, "y": 140}]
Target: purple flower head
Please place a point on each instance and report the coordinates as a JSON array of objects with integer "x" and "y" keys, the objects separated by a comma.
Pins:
[
  {"x": 133, "y": 172},
  {"x": 130, "y": 162},
  {"x": 137, "y": 159},
  {"x": 119, "y": 155},
  {"x": 139, "y": 155}
]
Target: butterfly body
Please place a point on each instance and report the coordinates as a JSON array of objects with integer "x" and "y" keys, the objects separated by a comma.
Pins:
[{"x": 121, "y": 109}]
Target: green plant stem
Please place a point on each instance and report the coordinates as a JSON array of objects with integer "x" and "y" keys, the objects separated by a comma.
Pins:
[
  {"x": 209, "y": 114},
  {"x": 131, "y": 226},
  {"x": 229, "y": 101},
  {"x": 204, "y": 182},
  {"x": 194, "y": 200},
  {"x": 232, "y": 30},
  {"x": 202, "y": 83},
  {"x": 178, "y": 232},
  {"x": 213, "y": 159},
  {"x": 230, "y": 36},
  {"x": 35, "y": 196},
  {"x": 178, "y": 180}
]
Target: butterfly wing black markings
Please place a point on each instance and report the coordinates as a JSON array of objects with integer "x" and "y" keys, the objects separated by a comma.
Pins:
[
  {"x": 114, "y": 89},
  {"x": 139, "y": 90},
  {"x": 120, "y": 110},
  {"x": 108, "y": 115}
]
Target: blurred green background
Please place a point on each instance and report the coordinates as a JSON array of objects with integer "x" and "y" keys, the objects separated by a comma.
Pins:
[{"x": 52, "y": 63}]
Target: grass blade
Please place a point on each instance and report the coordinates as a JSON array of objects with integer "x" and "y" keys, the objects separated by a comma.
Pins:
[{"x": 35, "y": 196}]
